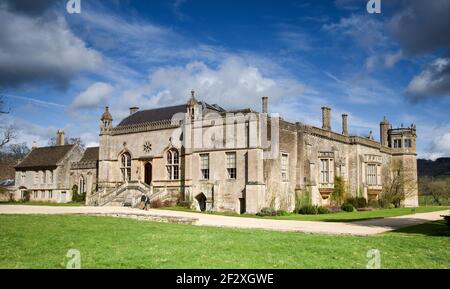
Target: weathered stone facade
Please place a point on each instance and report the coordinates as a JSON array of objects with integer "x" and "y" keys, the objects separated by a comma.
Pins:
[
  {"x": 45, "y": 173},
  {"x": 221, "y": 160},
  {"x": 212, "y": 159}
]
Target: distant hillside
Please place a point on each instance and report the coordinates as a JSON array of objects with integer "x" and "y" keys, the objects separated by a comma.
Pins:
[{"x": 438, "y": 168}]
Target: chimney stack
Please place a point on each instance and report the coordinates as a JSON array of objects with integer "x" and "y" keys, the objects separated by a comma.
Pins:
[
  {"x": 133, "y": 110},
  {"x": 265, "y": 104},
  {"x": 326, "y": 121},
  {"x": 344, "y": 124},
  {"x": 60, "y": 137},
  {"x": 34, "y": 145}
]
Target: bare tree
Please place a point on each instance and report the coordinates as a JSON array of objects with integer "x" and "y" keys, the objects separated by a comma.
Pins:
[
  {"x": 399, "y": 184},
  {"x": 438, "y": 189},
  {"x": 72, "y": 140},
  {"x": 7, "y": 133},
  {"x": 13, "y": 153}
]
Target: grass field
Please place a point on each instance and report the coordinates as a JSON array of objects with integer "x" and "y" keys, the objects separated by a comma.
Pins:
[
  {"x": 337, "y": 217},
  {"x": 71, "y": 204},
  {"x": 43, "y": 242}
]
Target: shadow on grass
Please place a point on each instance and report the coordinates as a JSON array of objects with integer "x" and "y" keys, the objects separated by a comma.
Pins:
[{"x": 434, "y": 229}]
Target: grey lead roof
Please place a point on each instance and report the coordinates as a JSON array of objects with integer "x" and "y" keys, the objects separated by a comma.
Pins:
[{"x": 164, "y": 113}]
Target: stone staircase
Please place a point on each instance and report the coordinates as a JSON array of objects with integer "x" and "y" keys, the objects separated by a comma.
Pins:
[{"x": 127, "y": 194}]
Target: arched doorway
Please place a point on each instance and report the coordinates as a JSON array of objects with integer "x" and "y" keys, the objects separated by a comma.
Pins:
[
  {"x": 201, "y": 199},
  {"x": 148, "y": 173}
]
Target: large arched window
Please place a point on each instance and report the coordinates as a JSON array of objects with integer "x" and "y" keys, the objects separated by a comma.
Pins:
[
  {"x": 173, "y": 165},
  {"x": 125, "y": 167}
]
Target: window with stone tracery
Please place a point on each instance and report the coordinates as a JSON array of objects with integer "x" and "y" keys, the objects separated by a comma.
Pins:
[
  {"x": 125, "y": 168},
  {"x": 173, "y": 165}
]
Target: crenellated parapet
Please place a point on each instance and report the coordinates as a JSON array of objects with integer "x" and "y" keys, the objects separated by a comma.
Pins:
[{"x": 147, "y": 126}]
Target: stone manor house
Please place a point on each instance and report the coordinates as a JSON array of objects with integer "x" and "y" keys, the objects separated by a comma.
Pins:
[{"x": 221, "y": 160}]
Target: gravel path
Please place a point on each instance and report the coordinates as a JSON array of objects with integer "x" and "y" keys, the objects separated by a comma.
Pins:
[{"x": 363, "y": 228}]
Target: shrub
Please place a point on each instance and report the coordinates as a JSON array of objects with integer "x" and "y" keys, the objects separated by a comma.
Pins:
[
  {"x": 267, "y": 212},
  {"x": 156, "y": 203},
  {"x": 358, "y": 202},
  {"x": 302, "y": 199},
  {"x": 322, "y": 210},
  {"x": 308, "y": 210},
  {"x": 347, "y": 207},
  {"x": 340, "y": 191},
  {"x": 374, "y": 204},
  {"x": 282, "y": 213},
  {"x": 383, "y": 203},
  {"x": 168, "y": 203}
]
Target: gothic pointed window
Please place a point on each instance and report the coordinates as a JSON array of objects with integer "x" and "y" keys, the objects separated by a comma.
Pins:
[
  {"x": 125, "y": 167},
  {"x": 173, "y": 165}
]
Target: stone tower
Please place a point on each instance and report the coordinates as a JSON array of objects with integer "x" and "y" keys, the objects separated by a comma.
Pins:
[
  {"x": 404, "y": 161},
  {"x": 104, "y": 150},
  {"x": 384, "y": 127}
]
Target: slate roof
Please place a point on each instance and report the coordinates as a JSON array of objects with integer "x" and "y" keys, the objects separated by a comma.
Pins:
[
  {"x": 164, "y": 113},
  {"x": 90, "y": 155},
  {"x": 45, "y": 157},
  {"x": 89, "y": 159},
  {"x": 151, "y": 115}
]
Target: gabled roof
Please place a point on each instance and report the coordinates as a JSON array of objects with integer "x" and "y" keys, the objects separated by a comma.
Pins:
[
  {"x": 151, "y": 115},
  {"x": 45, "y": 157},
  {"x": 90, "y": 155},
  {"x": 163, "y": 113}
]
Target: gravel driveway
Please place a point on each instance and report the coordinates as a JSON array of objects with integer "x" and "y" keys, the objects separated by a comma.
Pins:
[{"x": 363, "y": 228}]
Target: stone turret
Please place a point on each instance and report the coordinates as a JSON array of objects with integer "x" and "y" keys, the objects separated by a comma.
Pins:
[
  {"x": 192, "y": 106},
  {"x": 106, "y": 122},
  {"x": 384, "y": 128},
  {"x": 404, "y": 161}
]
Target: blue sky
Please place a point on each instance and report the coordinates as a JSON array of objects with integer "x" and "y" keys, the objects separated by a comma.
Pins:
[{"x": 59, "y": 70}]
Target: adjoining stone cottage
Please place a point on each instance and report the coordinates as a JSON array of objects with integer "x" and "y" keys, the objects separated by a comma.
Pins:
[{"x": 226, "y": 160}]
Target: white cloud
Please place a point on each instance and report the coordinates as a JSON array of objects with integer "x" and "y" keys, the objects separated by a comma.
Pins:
[
  {"x": 232, "y": 84},
  {"x": 41, "y": 48},
  {"x": 363, "y": 29},
  {"x": 439, "y": 147},
  {"x": 93, "y": 96},
  {"x": 434, "y": 80}
]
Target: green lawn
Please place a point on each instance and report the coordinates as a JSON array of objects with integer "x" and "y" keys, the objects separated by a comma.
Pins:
[
  {"x": 71, "y": 204},
  {"x": 43, "y": 241},
  {"x": 337, "y": 217}
]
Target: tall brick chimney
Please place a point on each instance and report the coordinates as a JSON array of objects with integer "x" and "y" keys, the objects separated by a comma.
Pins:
[{"x": 326, "y": 118}]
